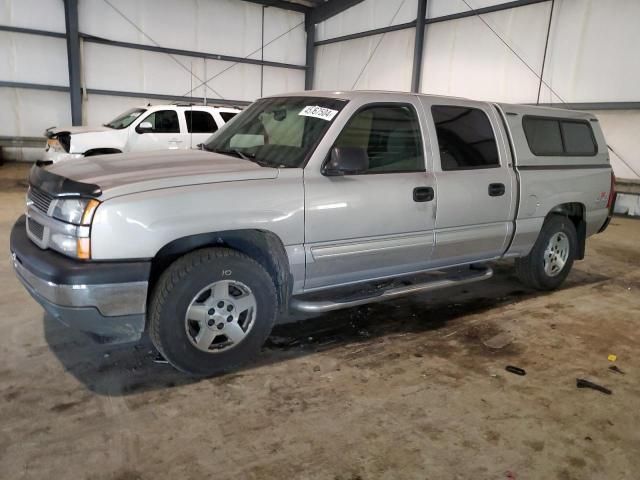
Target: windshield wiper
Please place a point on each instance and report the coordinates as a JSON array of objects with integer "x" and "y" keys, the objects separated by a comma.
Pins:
[
  {"x": 237, "y": 153},
  {"x": 233, "y": 151},
  {"x": 242, "y": 155}
]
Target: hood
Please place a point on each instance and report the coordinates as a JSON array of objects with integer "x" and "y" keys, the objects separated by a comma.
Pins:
[
  {"x": 75, "y": 130},
  {"x": 121, "y": 174}
]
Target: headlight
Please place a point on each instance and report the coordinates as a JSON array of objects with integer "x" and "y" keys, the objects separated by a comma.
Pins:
[{"x": 78, "y": 211}]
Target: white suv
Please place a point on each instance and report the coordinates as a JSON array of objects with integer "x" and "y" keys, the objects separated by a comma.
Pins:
[{"x": 157, "y": 127}]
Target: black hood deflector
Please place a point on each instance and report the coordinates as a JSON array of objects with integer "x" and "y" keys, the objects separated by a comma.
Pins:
[{"x": 59, "y": 186}]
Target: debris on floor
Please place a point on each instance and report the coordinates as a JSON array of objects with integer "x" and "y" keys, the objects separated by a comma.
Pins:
[
  {"x": 612, "y": 357},
  {"x": 582, "y": 383},
  {"x": 616, "y": 369},
  {"x": 499, "y": 341},
  {"x": 516, "y": 370}
]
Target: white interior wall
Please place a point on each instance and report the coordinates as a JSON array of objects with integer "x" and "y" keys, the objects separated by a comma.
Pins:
[
  {"x": 36, "y": 14},
  {"x": 593, "y": 53},
  {"x": 32, "y": 59},
  {"x": 125, "y": 69},
  {"x": 277, "y": 80},
  {"x": 25, "y": 112},
  {"x": 367, "y": 15},
  {"x": 441, "y": 8},
  {"x": 465, "y": 58},
  {"x": 290, "y": 48},
  {"x": 621, "y": 129},
  {"x": 591, "y": 57},
  {"x": 339, "y": 64},
  {"x": 226, "y": 27}
]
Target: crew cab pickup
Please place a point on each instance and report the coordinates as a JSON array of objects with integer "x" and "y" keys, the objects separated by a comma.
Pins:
[
  {"x": 157, "y": 127},
  {"x": 309, "y": 202}
]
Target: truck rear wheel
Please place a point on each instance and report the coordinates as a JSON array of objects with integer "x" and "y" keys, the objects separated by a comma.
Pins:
[
  {"x": 551, "y": 258},
  {"x": 211, "y": 311}
]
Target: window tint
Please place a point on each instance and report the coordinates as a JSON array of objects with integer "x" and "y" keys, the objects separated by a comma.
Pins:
[
  {"x": 578, "y": 138},
  {"x": 543, "y": 136},
  {"x": 558, "y": 137},
  {"x": 164, "y": 121},
  {"x": 465, "y": 138},
  {"x": 226, "y": 116},
  {"x": 389, "y": 134},
  {"x": 200, "y": 122}
]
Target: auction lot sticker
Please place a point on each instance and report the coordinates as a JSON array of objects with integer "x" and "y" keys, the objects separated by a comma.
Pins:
[{"x": 318, "y": 112}]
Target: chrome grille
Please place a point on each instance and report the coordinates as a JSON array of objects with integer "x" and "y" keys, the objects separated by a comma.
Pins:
[
  {"x": 41, "y": 200},
  {"x": 35, "y": 228}
]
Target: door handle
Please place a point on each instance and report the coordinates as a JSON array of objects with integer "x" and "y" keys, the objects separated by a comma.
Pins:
[
  {"x": 496, "y": 189},
  {"x": 423, "y": 194}
]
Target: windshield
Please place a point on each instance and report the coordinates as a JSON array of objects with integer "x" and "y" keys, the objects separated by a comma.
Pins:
[
  {"x": 277, "y": 132},
  {"x": 125, "y": 119}
]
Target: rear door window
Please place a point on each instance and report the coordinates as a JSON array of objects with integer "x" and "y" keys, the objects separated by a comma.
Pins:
[
  {"x": 465, "y": 138},
  {"x": 200, "y": 122}
]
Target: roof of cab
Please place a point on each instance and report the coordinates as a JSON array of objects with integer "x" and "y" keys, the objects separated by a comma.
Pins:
[
  {"x": 513, "y": 108},
  {"x": 352, "y": 94}
]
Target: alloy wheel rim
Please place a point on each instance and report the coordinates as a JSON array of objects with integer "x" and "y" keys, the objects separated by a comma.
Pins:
[
  {"x": 556, "y": 254},
  {"x": 220, "y": 316}
]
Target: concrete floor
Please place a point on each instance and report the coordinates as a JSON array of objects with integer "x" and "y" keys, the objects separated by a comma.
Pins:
[{"x": 401, "y": 390}]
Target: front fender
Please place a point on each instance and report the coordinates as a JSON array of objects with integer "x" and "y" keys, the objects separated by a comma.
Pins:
[{"x": 139, "y": 225}]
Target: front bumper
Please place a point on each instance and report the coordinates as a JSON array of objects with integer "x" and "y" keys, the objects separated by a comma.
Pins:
[{"x": 102, "y": 298}]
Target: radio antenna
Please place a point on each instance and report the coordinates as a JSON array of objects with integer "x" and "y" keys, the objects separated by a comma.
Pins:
[
  {"x": 191, "y": 109},
  {"x": 205, "y": 85}
]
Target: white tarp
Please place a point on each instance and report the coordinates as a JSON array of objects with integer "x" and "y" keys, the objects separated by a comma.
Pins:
[
  {"x": 465, "y": 58},
  {"x": 226, "y": 27},
  {"x": 368, "y": 15},
  {"x": 593, "y": 51},
  {"x": 36, "y": 14},
  {"x": 339, "y": 65},
  {"x": 621, "y": 129},
  {"x": 441, "y": 8}
]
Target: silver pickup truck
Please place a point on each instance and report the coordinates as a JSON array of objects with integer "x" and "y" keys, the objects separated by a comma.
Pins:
[{"x": 311, "y": 202}]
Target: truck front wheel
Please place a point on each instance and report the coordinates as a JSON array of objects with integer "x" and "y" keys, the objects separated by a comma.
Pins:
[
  {"x": 211, "y": 311},
  {"x": 551, "y": 258}
]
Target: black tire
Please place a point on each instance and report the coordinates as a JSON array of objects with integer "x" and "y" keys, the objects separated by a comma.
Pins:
[
  {"x": 530, "y": 269},
  {"x": 176, "y": 289}
]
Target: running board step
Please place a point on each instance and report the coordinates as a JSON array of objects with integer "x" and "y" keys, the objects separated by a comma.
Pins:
[{"x": 474, "y": 274}]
